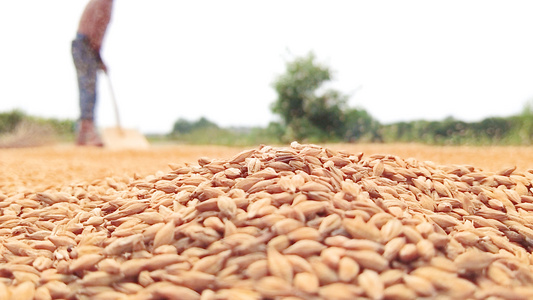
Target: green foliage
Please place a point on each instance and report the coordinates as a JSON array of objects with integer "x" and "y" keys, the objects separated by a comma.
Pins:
[
  {"x": 308, "y": 116},
  {"x": 10, "y": 120},
  {"x": 275, "y": 131},
  {"x": 524, "y": 132},
  {"x": 528, "y": 109},
  {"x": 514, "y": 130},
  {"x": 20, "y": 130},
  {"x": 305, "y": 114},
  {"x": 64, "y": 128},
  {"x": 205, "y": 132},
  {"x": 448, "y": 131},
  {"x": 226, "y": 136},
  {"x": 297, "y": 86},
  {"x": 183, "y": 126},
  {"x": 360, "y": 126}
]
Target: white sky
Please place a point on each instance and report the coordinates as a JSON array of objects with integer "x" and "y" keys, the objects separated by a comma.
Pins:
[{"x": 170, "y": 59}]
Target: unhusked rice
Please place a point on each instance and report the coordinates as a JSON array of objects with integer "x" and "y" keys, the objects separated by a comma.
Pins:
[{"x": 301, "y": 222}]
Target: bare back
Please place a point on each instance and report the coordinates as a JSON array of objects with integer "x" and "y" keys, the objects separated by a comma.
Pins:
[{"x": 94, "y": 21}]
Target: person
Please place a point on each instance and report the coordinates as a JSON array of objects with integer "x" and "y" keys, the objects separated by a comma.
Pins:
[{"x": 87, "y": 60}]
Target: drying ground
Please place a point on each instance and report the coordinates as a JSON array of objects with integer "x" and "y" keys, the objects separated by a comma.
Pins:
[{"x": 41, "y": 168}]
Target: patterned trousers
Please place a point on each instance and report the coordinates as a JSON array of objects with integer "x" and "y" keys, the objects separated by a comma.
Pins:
[{"x": 87, "y": 63}]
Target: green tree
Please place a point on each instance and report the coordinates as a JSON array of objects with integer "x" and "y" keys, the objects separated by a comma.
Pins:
[
  {"x": 304, "y": 113},
  {"x": 183, "y": 126},
  {"x": 360, "y": 126}
]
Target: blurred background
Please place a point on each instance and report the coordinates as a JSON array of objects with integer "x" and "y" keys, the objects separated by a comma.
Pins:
[{"x": 240, "y": 72}]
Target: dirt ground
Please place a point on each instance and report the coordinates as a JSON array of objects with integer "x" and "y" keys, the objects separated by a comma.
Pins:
[{"x": 36, "y": 169}]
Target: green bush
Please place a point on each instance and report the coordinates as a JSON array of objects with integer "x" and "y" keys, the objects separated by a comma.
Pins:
[{"x": 10, "y": 120}]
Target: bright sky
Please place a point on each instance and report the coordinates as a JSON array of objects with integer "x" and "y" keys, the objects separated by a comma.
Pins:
[{"x": 400, "y": 60}]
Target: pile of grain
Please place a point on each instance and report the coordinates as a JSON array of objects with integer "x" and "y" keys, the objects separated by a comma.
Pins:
[{"x": 302, "y": 222}]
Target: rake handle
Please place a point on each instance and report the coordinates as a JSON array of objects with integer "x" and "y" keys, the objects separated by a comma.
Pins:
[{"x": 113, "y": 99}]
